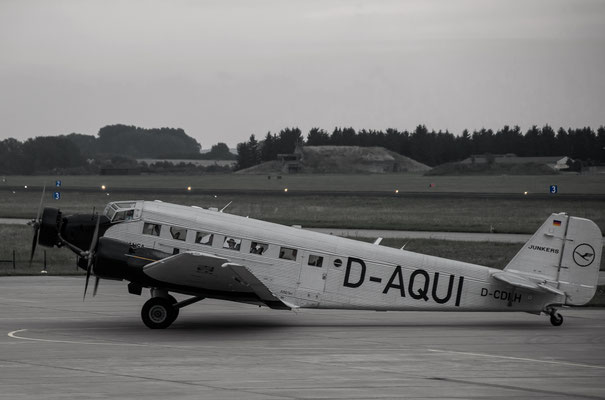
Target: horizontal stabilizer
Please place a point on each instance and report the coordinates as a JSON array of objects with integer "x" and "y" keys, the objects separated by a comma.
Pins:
[
  {"x": 524, "y": 283},
  {"x": 551, "y": 289},
  {"x": 515, "y": 280}
]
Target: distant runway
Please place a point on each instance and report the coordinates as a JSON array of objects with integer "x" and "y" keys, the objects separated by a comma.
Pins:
[
  {"x": 14, "y": 221},
  {"x": 455, "y": 195},
  {"x": 54, "y": 346}
]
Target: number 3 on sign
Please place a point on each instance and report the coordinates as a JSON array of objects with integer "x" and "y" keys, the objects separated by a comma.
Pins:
[{"x": 554, "y": 189}]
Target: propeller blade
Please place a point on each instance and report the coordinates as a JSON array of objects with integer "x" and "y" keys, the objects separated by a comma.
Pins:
[
  {"x": 95, "y": 236},
  {"x": 94, "y": 292},
  {"x": 88, "y": 270},
  {"x": 34, "y": 243},
  {"x": 36, "y": 225},
  {"x": 40, "y": 206},
  {"x": 90, "y": 256}
]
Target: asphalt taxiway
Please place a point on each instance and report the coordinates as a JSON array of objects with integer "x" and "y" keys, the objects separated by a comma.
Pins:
[{"x": 55, "y": 346}]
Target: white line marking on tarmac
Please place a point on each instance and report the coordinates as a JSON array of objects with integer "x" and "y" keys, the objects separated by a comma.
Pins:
[
  {"x": 518, "y": 359},
  {"x": 13, "y": 335}
]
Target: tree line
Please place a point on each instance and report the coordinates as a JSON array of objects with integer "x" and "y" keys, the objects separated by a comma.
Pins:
[
  {"x": 69, "y": 153},
  {"x": 83, "y": 154},
  {"x": 436, "y": 147},
  {"x": 136, "y": 142}
]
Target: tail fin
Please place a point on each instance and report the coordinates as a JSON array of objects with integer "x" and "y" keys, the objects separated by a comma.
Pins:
[{"x": 566, "y": 253}]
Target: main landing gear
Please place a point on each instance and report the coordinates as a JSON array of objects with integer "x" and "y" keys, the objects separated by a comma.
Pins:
[
  {"x": 162, "y": 309},
  {"x": 556, "y": 319}
]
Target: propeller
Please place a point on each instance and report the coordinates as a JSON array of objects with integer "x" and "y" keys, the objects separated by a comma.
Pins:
[
  {"x": 35, "y": 223},
  {"x": 94, "y": 292},
  {"x": 89, "y": 255}
]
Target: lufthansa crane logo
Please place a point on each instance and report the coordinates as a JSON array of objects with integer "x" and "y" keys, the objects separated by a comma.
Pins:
[{"x": 583, "y": 255}]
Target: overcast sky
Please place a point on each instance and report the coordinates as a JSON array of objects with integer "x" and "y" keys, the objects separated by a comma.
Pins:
[{"x": 222, "y": 70}]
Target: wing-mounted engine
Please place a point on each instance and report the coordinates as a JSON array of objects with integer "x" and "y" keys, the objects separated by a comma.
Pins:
[{"x": 116, "y": 259}]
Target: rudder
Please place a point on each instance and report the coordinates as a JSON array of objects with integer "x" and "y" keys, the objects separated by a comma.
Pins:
[{"x": 581, "y": 261}]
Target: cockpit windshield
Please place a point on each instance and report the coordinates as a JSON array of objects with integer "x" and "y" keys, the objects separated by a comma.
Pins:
[{"x": 120, "y": 211}]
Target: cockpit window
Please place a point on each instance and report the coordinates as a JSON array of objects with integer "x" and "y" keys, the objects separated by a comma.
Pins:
[
  {"x": 120, "y": 211},
  {"x": 109, "y": 212},
  {"x": 126, "y": 204},
  {"x": 125, "y": 215}
]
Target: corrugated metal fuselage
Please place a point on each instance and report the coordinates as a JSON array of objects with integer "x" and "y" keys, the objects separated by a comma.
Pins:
[{"x": 351, "y": 274}]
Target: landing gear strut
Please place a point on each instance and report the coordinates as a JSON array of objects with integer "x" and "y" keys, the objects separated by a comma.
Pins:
[{"x": 162, "y": 309}]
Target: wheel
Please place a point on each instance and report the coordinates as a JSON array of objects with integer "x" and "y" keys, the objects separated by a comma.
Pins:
[
  {"x": 158, "y": 313},
  {"x": 556, "y": 319}
]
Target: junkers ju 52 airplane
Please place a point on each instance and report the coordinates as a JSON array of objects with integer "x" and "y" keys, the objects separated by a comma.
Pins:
[{"x": 205, "y": 253}]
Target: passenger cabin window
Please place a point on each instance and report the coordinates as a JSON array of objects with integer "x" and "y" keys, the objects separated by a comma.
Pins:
[
  {"x": 232, "y": 243},
  {"x": 287, "y": 253},
  {"x": 204, "y": 238},
  {"x": 178, "y": 233},
  {"x": 258, "y": 248},
  {"x": 315, "y": 261},
  {"x": 151, "y": 229}
]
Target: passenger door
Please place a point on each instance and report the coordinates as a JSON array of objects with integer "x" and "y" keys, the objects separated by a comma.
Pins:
[{"x": 313, "y": 272}]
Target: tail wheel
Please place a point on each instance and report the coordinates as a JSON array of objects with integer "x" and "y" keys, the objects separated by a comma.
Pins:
[
  {"x": 556, "y": 319},
  {"x": 158, "y": 313}
]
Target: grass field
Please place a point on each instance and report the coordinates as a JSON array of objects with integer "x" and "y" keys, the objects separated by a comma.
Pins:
[
  {"x": 19, "y": 238},
  {"x": 568, "y": 184},
  {"x": 523, "y": 215}
]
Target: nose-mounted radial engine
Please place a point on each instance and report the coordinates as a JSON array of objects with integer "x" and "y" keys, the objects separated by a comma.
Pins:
[{"x": 78, "y": 232}]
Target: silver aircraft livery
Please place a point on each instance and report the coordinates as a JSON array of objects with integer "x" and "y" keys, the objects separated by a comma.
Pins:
[{"x": 206, "y": 253}]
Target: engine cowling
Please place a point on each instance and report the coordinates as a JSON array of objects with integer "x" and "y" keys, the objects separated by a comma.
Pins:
[
  {"x": 77, "y": 229},
  {"x": 116, "y": 259}
]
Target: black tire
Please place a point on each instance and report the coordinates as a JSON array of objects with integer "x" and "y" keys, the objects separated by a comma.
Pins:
[
  {"x": 556, "y": 319},
  {"x": 158, "y": 313}
]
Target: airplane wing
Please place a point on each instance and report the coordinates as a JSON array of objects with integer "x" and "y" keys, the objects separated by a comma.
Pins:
[
  {"x": 208, "y": 272},
  {"x": 524, "y": 283}
]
